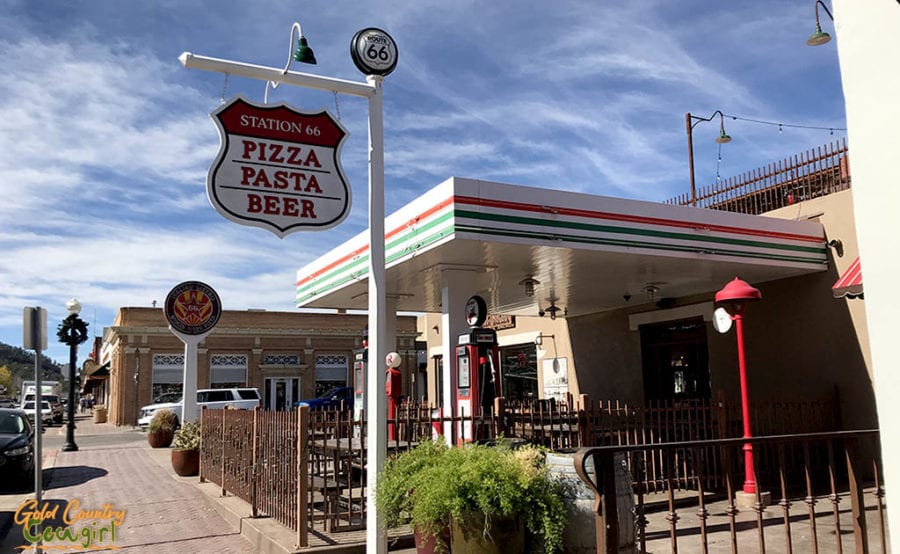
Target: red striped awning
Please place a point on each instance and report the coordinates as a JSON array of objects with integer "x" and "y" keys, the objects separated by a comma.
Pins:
[{"x": 850, "y": 284}]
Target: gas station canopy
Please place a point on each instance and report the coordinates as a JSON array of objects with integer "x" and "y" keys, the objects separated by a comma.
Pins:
[{"x": 585, "y": 253}]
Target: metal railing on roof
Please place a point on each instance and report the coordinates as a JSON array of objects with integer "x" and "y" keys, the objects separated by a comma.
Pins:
[{"x": 811, "y": 174}]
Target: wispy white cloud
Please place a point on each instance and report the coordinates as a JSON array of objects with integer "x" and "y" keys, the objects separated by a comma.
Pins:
[{"x": 106, "y": 141}]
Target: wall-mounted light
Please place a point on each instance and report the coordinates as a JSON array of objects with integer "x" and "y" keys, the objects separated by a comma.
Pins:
[
  {"x": 529, "y": 283},
  {"x": 819, "y": 37},
  {"x": 838, "y": 246},
  {"x": 651, "y": 291}
]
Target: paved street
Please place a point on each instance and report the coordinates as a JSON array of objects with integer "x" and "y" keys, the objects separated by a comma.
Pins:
[{"x": 112, "y": 467}]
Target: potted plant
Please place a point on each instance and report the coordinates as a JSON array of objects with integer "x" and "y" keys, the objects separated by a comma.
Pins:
[
  {"x": 393, "y": 496},
  {"x": 186, "y": 449},
  {"x": 489, "y": 496},
  {"x": 161, "y": 429}
]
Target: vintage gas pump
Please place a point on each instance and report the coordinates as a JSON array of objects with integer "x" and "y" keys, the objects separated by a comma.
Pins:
[
  {"x": 478, "y": 371},
  {"x": 360, "y": 358},
  {"x": 394, "y": 390}
]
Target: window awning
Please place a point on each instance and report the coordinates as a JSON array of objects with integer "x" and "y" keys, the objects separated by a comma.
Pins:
[{"x": 850, "y": 284}]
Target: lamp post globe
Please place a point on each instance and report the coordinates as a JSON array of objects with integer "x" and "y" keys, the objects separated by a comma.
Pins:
[
  {"x": 72, "y": 332},
  {"x": 73, "y": 306},
  {"x": 734, "y": 298}
]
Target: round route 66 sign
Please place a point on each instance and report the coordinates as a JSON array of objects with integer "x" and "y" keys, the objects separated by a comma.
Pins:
[
  {"x": 374, "y": 52},
  {"x": 192, "y": 308}
]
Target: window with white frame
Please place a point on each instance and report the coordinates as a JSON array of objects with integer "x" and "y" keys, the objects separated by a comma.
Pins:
[
  {"x": 287, "y": 360},
  {"x": 168, "y": 377},
  {"x": 227, "y": 371},
  {"x": 331, "y": 371}
]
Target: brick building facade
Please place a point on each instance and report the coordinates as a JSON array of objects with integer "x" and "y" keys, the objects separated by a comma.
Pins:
[{"x": 287, "y": 356}]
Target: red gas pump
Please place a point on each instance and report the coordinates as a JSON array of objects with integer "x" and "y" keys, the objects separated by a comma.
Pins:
[
  {"x": 394, "y": 389},
  {"x": 359, "y": 384},
  {"x": 478, "y": 380}
]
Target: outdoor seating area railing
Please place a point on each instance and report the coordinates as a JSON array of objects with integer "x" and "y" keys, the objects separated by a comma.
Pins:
[
  {"x": 850, "y": 471},
  {"x": 306, "y": 469},
  {"x": 812, "y": 174}
]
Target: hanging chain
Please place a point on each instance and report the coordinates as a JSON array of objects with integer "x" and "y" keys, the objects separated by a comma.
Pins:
[
  {"x": 224, "y": 88},
  {"x": 337, "y": 105}
]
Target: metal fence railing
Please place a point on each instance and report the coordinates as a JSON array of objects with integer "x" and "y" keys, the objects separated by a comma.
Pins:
[
  {"x": 306, "y": 469},
  {"x": 800, "y": 513},
  {"x": 805, "y": 176}
]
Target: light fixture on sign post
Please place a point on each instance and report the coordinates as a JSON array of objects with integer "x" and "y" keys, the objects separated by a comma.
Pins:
[
  {"x": 734, "y": 298},
  {"x": 374, "y": 52}
]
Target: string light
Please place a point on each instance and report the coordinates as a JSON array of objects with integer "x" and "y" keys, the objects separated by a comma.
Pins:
[
  {"x": 781, "y": 126},
  {"x": 718, "y": 164}
]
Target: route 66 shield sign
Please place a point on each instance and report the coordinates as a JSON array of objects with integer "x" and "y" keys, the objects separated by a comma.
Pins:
[{"x": 278, "y": 168}]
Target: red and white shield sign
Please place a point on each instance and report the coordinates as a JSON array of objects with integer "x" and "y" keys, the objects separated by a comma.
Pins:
[{"x": 278, "y": 168}]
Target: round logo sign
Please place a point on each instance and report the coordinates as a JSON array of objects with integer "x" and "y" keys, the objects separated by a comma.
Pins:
[
  {"x": 374, "y": 52},
  {"x": 193, "y": 308},
  {"x": 476, "y": 311}
]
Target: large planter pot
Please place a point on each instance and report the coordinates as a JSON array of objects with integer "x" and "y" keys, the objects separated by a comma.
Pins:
[
  {"x": 186, "y": 463},
  {"x": 429, "y": 544},
  {"x": 506, "y": 535},
  {"x": 160, "y": 439},
  {"x": 580, "y": 536}
]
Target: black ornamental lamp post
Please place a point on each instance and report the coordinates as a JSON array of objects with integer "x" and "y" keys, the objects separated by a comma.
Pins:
[{"x": 72, "y": 332}]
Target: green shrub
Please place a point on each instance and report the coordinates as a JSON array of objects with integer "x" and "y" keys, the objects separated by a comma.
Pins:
[
  {"x": 432, "y": 484},
  {"x": 164, "y": 420},
  {"x": 188, "y": 437}
]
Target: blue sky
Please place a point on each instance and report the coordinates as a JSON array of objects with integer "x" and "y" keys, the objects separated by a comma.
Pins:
[{"x": 106, "y": 140}]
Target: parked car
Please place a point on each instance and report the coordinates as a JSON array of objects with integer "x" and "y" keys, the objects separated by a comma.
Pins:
[
  {"x": 46, "y": 411},
  {"x": 338, "y": 397},
  {"x": 240, "y": 398},
  {"x": 55, "y": 404},
  {"x": 16, "y": 442}
]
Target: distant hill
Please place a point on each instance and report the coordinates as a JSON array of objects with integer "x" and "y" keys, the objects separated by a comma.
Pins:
[{"x": 21, "y": 363}]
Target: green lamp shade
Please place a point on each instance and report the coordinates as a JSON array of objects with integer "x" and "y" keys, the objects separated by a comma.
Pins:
[
  {"x": 304, "y": 53},
  {"x": 723, "y": 138},
  {"x": 818, "y": 38}
]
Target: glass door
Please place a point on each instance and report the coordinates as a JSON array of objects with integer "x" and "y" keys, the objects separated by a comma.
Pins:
[
  {"x": 675, "y": 360},
  {"x": 281, "y": 393}
]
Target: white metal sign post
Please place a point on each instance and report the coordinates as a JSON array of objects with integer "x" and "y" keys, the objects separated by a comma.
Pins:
[
  {"x": 375, "y": 54},
  {"x": 192, "y": 309}
]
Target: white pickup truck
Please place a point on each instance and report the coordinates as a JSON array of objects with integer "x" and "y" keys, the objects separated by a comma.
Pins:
[{"x": 242, "y": 399}]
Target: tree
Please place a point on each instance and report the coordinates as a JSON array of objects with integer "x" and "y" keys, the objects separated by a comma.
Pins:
[{"x": 6, "y": 380}]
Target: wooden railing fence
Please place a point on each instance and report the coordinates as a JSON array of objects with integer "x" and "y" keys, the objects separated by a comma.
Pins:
[{"x": 808, "y": 175}]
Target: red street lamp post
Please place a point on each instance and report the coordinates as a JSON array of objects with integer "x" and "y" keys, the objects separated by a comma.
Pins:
[{"x": 734, "y": 297}]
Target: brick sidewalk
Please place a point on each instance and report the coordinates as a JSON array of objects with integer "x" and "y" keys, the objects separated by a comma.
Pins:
[
  {"x": 163, "y": 514},
  {"x": 85, "y": 426}
]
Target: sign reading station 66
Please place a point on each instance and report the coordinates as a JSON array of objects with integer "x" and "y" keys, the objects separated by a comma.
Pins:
[
  {"x": 374, "y": 52},
  {"x": 278, "y": 168}
]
